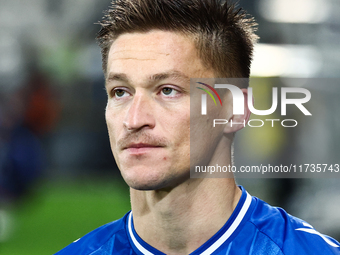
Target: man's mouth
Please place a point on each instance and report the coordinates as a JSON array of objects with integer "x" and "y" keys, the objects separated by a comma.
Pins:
[
  {"x": 141, "y": 148},
  {"x": 142, "y": 145}
]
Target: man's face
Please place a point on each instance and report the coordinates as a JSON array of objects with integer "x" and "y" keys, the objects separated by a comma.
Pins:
[{"x": 148, "y": 109}]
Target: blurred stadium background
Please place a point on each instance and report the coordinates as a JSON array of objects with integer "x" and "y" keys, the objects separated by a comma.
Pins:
[{"x": 58, "y": 179}]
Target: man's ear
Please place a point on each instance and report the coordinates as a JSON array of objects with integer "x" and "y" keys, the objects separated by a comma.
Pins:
[{"x": 237, "y": 122}]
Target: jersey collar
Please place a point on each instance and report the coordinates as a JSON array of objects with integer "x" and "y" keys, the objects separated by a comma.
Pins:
[{"x": 222, "y": 237}]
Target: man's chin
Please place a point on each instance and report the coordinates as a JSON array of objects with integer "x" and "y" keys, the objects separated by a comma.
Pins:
[
  {"x": 153, "y": 182},
  {"x": 146, "y": 185}
]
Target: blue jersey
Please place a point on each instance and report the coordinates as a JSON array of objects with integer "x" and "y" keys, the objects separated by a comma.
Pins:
[{"x": 254, "y": 228}]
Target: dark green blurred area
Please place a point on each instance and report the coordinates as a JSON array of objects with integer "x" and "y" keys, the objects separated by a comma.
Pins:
[{"x": 61, "y": 212}]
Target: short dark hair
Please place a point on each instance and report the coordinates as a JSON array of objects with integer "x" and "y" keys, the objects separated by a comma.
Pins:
[{"x": 223, "y": 34}]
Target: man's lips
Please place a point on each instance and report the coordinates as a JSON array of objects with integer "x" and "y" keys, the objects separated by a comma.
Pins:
[
  {"x": 141, "y": 145},
  {"x": 141, "y": 148}
]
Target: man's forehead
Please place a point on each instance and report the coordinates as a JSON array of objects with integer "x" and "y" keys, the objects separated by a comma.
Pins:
[
  {"x": 154, "y": 52},
  {"x": 153, "y": 43},
  {"x": 142, "y": 54}
]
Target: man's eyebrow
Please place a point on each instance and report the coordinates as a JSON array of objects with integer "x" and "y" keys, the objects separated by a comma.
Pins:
[
  {"x": 153, "y": 78},
  {"x": 117, "y": 77}
]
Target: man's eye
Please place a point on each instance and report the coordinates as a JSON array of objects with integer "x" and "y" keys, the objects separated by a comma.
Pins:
[
  {"x": 120, "y": 93},
  {"x": 169, "y": 91}
]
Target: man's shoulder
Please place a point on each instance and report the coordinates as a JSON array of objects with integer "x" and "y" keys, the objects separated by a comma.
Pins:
[
  {"x": 291, "y": 234},
  {"x": 103, "y": 239}
]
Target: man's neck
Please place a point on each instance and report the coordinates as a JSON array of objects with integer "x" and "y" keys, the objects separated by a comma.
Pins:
[{"x": 180, "y": 220}]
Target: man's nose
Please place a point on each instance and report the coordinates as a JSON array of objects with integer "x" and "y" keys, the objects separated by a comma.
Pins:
[{"x": 139, "y": 114}]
